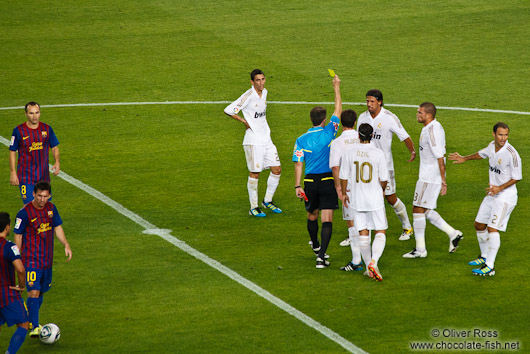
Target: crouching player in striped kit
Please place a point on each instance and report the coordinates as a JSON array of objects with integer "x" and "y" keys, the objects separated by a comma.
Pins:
[
  {"x": 505, "y": 171},
  {"x": 35, "y": 226},
  {"x": 12, "y": 308}
]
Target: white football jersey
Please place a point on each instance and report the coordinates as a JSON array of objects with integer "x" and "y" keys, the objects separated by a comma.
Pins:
[
  {"x": 432, "y": 147},
  {"x": 254, "y": 110},
  {"x": 339, "y": 146},
  {"x": 385, "y": 124},
  {"x": 504, "y": 165},
  {"x": 364, "y": 166}
]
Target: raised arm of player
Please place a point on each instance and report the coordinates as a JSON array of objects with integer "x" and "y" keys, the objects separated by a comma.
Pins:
[
  {"x": 410, "y": 145},
  {"x": 13, "y": 178},
  {"x": 457, "y": 158},
  {"x": 56, "y": 166},
  {"x": 59, "y": 233},
  {"x": 338, "y": 99}
]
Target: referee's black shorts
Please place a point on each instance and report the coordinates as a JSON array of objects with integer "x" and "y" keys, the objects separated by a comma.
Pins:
[{"x": 320, "y": 191}]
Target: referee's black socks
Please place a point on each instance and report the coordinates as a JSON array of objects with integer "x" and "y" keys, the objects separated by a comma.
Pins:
[
  {"x": 325, "y": 236},
  {"x": 312, "y": 228}
]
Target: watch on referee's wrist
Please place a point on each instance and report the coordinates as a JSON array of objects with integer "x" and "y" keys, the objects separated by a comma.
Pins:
[{"x": 295, "y": 187}]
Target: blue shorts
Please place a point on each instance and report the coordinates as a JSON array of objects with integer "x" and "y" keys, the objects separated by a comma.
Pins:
[
  {"x": 26, "y": 192},
  {"x": 14, "y": 313},
  {"x": 38, "y": 279}
]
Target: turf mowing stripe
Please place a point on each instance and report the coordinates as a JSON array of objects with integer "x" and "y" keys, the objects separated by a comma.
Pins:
[
  {"x": 166, "y": 235},
  {"x": 272, "y": 102}
]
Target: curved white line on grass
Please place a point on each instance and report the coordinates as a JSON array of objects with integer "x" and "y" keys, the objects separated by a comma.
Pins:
[
  {"x": 166, "y": 235},
  {"x": 273, "y": 102}
]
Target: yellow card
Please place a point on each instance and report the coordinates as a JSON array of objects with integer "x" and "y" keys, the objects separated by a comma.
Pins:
[{"x": 331, "y": 72}]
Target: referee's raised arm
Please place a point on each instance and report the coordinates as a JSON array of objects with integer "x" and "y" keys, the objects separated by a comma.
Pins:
[{"x": 338, "y": 99}]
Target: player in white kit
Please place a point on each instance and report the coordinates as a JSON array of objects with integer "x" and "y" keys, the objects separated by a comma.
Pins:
[
  {"x": 260, "y": 152},
  {"x": 339, "y": 146},
  {"x": 431, "y": 182},
  {"x": 505, "y": 170},
  {"x": 385, "y": 125},
  {"x": 363, "y": 178}
]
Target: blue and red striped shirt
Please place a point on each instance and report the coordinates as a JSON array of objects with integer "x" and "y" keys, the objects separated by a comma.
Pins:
[
  {"x": 37, "y": 228},
  {"x": 8, "y": 254},
  {"x": 33, "y": 147}
]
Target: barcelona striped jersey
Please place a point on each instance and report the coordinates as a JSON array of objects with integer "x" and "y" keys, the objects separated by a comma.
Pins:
[
  {"x": 33, "y": 146},
  {"x": 37, "y": 229},
  {"x": 8, "y": 254}
]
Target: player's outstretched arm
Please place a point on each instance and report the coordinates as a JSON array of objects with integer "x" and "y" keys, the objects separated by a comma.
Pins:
[
  {"x": 59, "y": 233},
  {"x": 457, "y": 158},
  {"x": 338, "y": 99}
]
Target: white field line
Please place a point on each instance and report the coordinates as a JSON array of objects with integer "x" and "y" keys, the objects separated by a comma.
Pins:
[
  {"x": 272, "y": 102},
  {"x": 166, "y": 235}
]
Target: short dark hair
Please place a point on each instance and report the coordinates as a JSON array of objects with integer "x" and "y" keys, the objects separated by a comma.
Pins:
[
  {"x": 500, "y": 125},
  {"x": 31, "y": 103},
  {"x": 365, "y": 132},
  {"x": 348, "y": 118},
  {"x": 254, "y": 73},
  {"x": 377, "y": 94},
  {"x": 42, "y": 186},
  {"x": 429, "y": 107},
  {"x": 317, "y": 114},
  {"x": 4, "y": 221}
]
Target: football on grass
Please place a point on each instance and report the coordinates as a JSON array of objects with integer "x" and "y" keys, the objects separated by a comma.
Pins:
[{"x": 50, "y": 333}]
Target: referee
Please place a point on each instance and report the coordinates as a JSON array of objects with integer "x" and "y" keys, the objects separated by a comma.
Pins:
[{"x": 313, "y": 149}]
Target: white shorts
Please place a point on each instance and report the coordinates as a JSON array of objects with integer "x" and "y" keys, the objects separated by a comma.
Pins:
[
  {"x": 391, "y": 184},
  {"x": 426, "y": 194},
  {"x": 495, "y": 212},
  {"x": 261, "y": 157},
  {"x": 370, "y": 220}
]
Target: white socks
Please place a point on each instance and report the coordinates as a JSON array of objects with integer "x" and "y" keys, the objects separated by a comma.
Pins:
[
  {"x": 401, "y": 212},
  {"x": 435, "y": 219},
  {"x": 419, "y": 230},
  {"x": 378, "y": 246},
  {"x": 252, "y": 186},
  {"x": 353, "y": 235},
  {"x": 272, "y": 184},
  {"x": 482, "y": 237},
  {"x": 364, "y": 246},
  {"x": 494, "y": 243}
]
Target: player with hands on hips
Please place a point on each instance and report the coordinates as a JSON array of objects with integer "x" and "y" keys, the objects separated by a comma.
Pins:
[{"x": 260, "y": 152}]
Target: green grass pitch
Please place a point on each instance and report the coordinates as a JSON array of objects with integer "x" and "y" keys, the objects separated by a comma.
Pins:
[{"x": 181, "y": 167}]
